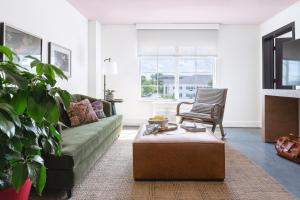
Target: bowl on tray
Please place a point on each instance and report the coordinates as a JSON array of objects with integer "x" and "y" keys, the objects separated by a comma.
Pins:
[{"x": 160, "y": 120}]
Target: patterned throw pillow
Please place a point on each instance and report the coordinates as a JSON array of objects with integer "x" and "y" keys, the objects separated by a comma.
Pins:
[
  {"x": 81, "y": 113},
  {"x": 98, "y": 108}
]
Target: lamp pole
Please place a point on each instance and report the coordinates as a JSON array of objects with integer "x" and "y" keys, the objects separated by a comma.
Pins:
[
  {"x": 104, "y": 79},
  {"x": 110, "y": 67},
  {"x": 104, "y": 87}
]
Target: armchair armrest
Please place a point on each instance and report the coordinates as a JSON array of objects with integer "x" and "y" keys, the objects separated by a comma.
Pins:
[
  {"x": 216, "y": 111},
  {"x": 178, "y": 106}
]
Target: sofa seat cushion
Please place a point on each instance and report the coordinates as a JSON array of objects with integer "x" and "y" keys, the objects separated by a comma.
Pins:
[{"x": 79, "y": 142}]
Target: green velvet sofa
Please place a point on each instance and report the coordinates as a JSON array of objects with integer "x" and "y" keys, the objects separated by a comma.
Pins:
[{"x": 81, "y": 148}]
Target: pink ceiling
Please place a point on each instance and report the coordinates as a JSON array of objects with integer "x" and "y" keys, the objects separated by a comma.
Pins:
[{"x": 180, "y": 11}]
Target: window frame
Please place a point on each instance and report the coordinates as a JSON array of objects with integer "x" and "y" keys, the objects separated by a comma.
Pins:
[{"x": 176, "y": 74}]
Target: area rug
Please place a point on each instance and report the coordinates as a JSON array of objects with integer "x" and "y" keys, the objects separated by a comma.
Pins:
[{"x": 111, "y": 179}]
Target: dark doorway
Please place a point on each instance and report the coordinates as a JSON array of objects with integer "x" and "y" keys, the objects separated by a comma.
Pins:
[{"x": 272, "y": 56}]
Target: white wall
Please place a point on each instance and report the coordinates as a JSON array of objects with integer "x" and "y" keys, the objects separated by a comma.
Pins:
[
  {"x": 95, "y": 86},
  {"x": 54, "y": 21},
  {"x": 120, "y": 44},
  {"x": 238, "y": 65},
  {"x": 237, "y": 70},
  {"x": 286, "y": 16}
]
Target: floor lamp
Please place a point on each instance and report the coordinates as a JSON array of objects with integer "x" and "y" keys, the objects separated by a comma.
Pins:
[{"x": 109, "y": 68}]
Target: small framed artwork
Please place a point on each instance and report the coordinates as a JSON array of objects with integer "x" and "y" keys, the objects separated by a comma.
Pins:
[
  {"x": 22, "y": 43},
  {"x": 60, "y": 57}
]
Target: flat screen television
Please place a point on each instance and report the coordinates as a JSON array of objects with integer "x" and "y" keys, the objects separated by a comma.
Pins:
[{"x": 291, "y": 63}]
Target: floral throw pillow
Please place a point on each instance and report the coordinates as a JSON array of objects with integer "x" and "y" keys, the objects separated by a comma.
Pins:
[
  {"x": 98, "y": 108},
  {"x": 81, "y": 113}
]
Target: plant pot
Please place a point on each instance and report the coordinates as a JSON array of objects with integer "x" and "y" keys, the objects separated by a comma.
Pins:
[
  {"x": 110, "y": 97},
  {"x": 11, "y": 193}
]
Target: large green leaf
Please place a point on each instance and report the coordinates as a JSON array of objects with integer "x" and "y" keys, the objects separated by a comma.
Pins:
[
  {"x": 38, "y": 159},
  {"x": 6, "y": 126},
  {"x": 14, "y": 156},
  {"x": 32, "y": 57},
  {"x": 11, "y": 113},
  {"x": 41, "y": 180},
  {"x": 34, "y": 63},
  {"x": 34, "y": 170},
  {"x": 58, "y": 71},
  {"x": 58, "y": 149},
  {"x": 52, "y": 114},
  {"x": 19, "y": 175},
  {"x": 49, "y": 73},
  {"x": 7, "y": 52},
  {"x": 19, "y": 101},
  {"x": 40, "y": 69},
  {"x": 29, "y": 125},
  {"x": 17, "y": 144},
  {"x": 14, "y": 76},
  {"x": 55, "y": 133},
  {"x": 66, "y": 98},
  {"x": 35, "y": 109},
  {"x": 36, "y": 103}
]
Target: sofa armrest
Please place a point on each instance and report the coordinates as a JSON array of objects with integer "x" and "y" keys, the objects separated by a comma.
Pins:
[{"x": 107, "y": 108}]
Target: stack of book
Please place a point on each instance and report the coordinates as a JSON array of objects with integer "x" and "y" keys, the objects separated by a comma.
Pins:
[{"x": 193, "y": 127}]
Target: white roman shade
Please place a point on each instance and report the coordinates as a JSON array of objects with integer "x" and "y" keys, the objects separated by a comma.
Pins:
[{"x": 177, "y": 42}]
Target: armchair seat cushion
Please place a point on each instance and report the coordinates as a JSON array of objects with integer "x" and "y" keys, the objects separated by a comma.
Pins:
[{"x": 202, "y": 116}]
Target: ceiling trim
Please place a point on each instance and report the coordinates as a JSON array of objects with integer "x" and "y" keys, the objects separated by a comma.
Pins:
[{"x": 177, "y": 26}]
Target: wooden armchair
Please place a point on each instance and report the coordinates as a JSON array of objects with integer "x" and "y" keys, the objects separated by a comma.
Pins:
[{"x": 208, "y": 108}]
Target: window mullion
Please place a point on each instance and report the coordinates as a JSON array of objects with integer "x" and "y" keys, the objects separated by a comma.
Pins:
[
  {"x": 157, "y": 86},
  {"x": 177, "y": 79},
  {"x": 177, "y": 75}
]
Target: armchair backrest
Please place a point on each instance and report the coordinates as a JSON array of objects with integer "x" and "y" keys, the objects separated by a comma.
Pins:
[{"x": 211, "y": 96}]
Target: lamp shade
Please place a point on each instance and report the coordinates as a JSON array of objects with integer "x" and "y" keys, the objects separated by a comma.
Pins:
[{"x": 110, "y": 68}]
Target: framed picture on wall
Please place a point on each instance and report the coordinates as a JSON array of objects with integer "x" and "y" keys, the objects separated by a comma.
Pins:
[
  {"x": 60, "y": 57},
  {"x": 22, "y": 43}
]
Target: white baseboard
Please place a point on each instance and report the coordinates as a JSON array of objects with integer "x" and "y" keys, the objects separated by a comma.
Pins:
[
  {"x": 134, "y": 122},
  {"x": 242, "y": 124},
  {"x": 138, "y": 122}
]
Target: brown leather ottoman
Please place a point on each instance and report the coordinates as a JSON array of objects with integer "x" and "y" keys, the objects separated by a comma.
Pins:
[{"x": 178, "y": 155}]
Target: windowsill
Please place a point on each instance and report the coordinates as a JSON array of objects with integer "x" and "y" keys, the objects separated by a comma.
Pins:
[{"x": 169, "y": 101}]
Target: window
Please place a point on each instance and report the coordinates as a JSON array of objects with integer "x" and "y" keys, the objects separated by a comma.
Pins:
[
  {"x": 175, "y": 76},
  {"x": 173, "y": 63}
]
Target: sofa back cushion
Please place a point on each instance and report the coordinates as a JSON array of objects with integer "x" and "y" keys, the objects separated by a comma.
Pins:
[
  {"x": 64, "y": 118},
  {"x": 81, "y": 113}
]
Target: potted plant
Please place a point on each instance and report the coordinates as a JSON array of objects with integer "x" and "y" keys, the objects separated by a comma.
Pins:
[
  {"x": 29, "y": 115},
  {"x": 109, "y": 94}
]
